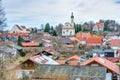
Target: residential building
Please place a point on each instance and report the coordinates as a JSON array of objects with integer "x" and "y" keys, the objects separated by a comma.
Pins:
[
  {"x": 73, "y": 60},
  {"x": 115, "y": 44},
  {"x": 98, "y": 27},
  {"x": 103, "y": 52},
  {"x": 113, "y": 71},
  {"x": 83, "y": 36},
  {"x": 19, "y": 29},
  {"x": 28, "y": 66},
  {"x": 94, "y": 41}
]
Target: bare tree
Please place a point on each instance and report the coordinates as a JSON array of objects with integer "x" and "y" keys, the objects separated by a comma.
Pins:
[{"x": 2, "y": 17}]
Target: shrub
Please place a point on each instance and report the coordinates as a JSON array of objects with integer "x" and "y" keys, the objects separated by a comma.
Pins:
[
  {"x": 22, "y": 53},
  {"x": 40, "y": 45}
]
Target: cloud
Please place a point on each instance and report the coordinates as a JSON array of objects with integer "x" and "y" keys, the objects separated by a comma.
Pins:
[
  {"x": 37, "y": 12},
  {"x": 117, "y": 1}
]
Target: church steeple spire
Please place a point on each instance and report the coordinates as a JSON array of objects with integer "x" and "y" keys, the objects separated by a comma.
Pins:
[{"x": 72, "y": 18}]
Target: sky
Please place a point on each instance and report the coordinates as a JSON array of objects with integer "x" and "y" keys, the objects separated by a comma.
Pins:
[{"x": 33, "y": 13}]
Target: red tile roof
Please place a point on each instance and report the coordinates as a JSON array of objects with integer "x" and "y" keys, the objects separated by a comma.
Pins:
[
  {"x": 73, "y": 39},
  {"x": 73, "y": 63},
  {"x": 30, "y": 44},
  {"x": 113, "y": 59},
  {"x": 73, "y": 60},
  {"x": 53, "y": 52},
  {"x": 99, "y": 24},
  {"x": 61, "y": 61},
  {"x": 115, "y": 42},
  {"x": 75, "y": 57},
  {"x": 94, "y": 40},
  {"x": 81, "y": 36},
  {"x": 103, "y": 62}
]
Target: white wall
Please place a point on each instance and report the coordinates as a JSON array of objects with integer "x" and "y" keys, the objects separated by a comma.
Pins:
[
  {"x": 68, "y": 32},
  {"x": 108, "y": 76},
  {"x": 16, "y": 29},
  {"x": 115, "y": 50},
  {"x": 97, "y": 29}
]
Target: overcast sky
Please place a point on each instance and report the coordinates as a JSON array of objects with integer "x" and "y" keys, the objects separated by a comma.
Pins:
[{"x": 33, "y": 13}]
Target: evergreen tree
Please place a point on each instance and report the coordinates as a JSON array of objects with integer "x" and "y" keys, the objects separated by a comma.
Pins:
[
  {"x": 2, "y": 17},
  {"x": 19, "y": 41},
  {"x": 54, "y": 33},
  {"x": 22, "y": 53},
  {"x": 106, "y": 26},
  {"x": 52, "y": 28},
  {"x": 40, "y": 44},
  {"x": 47, "y": 27},
  {"x": 77, "y": 28}
]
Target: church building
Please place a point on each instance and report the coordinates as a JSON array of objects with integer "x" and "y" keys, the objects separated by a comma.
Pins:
[{"x": 68, "y": 28}]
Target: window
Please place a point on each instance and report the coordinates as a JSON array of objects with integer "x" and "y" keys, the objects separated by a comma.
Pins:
[
  {"x": 67, "y": 30},
  {"x": 77, "y": 79},
  {"x": 94, "y": 65}
]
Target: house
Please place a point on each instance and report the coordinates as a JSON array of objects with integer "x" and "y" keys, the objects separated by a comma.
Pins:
[
  {"x": 73, "y": 60},
  {"x": 114, "y": 59},
  {"x": 112, "y": 35},
  {"x": 45, "y": 34},
  {"x": 68, "y": 28},
  {"x": 25, "y": 68},
  {"x": 67, "y": 42},
  {"x": 98, "y": 27},
  {"x": 115, "y": 44},
  {"x": 103, "y": 52},
  {"x": 30, "y": 44},
  {"x": 47, "y": 42},
  {"x": 28, "y": 66},
  {"x": 19, "y": 29},
  {"x": 83, "y": 36},
  {"x": 63, "y": 72},
  {"x": 113, "y": 71},
  {"x": 94, "y": 41},
  {"x": 74, "y": 39},
  {"x": 109, "y": 53},
  {"x": 50, "y": 51},
  {"x": 43, "y": 59}
]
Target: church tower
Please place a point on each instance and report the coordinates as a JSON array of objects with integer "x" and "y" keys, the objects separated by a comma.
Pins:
[
  {"x": 72, "y": 19},
  {"x": 68, "y": 28}
]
